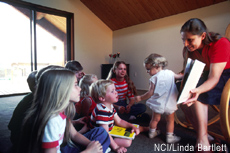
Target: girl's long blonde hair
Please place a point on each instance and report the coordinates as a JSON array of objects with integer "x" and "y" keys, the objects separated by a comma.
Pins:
[
  {"x": 130, "y": 83},
  {"x": 51, "y": 98}
]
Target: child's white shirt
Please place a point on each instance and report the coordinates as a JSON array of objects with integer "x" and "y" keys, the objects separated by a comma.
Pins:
[
  {"x": 164, "y": 99},
  {"x": 54, "y": 132}
]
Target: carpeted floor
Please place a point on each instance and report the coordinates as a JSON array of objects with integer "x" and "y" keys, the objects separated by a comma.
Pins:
[{"x": 141, "y": 143}]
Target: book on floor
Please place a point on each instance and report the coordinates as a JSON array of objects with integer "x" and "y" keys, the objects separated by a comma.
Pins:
[
  {"x": 122, "y": 132},
  {"x": 192, "y": 73}
]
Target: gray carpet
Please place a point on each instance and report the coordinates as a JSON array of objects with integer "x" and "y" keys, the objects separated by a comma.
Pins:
[
  {"x": 7, "y": 106},
  {"x": 141, "y": 143}
]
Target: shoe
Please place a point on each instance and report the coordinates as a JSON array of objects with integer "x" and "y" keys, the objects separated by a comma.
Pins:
[
  {"x": 172, "y": 138},
  {"x": 154, "y": 134}
]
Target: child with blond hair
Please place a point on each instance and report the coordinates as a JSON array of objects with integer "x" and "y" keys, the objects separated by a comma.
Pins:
[
  {"x": 162, "y": 95},
  {"x": 47, "y": 124},
  {"x": 104, "y": 115}
]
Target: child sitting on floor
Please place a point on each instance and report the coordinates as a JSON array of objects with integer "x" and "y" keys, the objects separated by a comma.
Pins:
[
  {"x": 125, "y": 106},
  {"x": 105, "y": 95},
  {"x": 47, "y": 123},
  {"x": 86, "y": 104}
]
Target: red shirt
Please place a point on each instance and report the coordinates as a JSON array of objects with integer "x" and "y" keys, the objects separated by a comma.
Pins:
[
  {"x": 78, "y": 105},
  {"x": 215, "y": 52},
  {"x": 122, "y": 89}
]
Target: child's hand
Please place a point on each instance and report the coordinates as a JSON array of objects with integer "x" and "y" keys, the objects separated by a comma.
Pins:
[
  {"x": 121, "y": 109},
  {"x": 136, "y": 130},
  {"x": 94, "y": 146},
  {"x": 137, "y": 98},
  {"x": 84, "y": 129},
  {"x": 121, "y": 150},
  {"x": 128, "y": 108},
  {"x": 82, "y": 120}
]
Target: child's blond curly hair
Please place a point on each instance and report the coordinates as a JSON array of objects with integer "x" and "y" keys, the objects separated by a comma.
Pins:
[
  {"x": 98, "y": 89},
  {"x": 156, "y": 60}
]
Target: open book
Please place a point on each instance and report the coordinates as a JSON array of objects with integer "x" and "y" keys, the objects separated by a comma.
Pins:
[
  {"x": 122, "y": 132},
  {"x": 192, "y": 73}
]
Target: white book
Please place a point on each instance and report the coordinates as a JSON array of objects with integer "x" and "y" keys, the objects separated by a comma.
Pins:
[{"x": 192, "y": 73}]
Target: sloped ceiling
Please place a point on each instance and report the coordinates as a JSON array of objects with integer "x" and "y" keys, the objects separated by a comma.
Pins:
[{"x": 118, "y": 14}]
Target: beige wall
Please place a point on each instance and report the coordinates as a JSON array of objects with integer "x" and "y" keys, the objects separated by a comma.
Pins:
[
  {"x": 162, "y": 36},
  {"x": 93, "y": 39}
]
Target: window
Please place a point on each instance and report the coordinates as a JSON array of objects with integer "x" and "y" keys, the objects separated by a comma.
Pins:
[{"x": 32, "y": 37}]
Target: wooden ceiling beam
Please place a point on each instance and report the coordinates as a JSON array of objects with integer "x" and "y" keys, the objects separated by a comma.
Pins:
[{"x": 118, "y": 14}]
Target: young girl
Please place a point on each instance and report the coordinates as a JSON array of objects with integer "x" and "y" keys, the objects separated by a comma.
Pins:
[
  {"x": 50, "y": 116},
  {"x": 105, "y": 95},
  {"x": 162, "y": 95},
  {"x": 126, "y": 89},
  {"x": 86, "y": 104}
]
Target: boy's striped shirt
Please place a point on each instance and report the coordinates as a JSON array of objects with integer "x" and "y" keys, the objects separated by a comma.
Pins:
[{"x": 102, "y": 115}]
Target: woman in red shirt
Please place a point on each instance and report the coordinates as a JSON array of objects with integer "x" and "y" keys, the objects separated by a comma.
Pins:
[{"x": 214, "y": 51}]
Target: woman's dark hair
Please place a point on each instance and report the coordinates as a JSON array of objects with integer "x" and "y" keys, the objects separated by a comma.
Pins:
[
  {"x": 196, "y": 26},
  {"x": 130, "y": 83}
]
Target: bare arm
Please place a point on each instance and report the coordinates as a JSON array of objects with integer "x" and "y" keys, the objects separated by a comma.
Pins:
[
  {"x": 78, "y": 137},
  {"x": 146, "y": 95},
  {"x": 50, "y": 150},
  {"x": 91, "y": 146},
  {"x": 215, "y": 72},
  {"x": 121, "y": 109},
  {"x": 82, "y": 140},
  {"x": 84, "y": 120},
  {"x": 178, "y": 76},
  {"x": 131, "y": 102}
]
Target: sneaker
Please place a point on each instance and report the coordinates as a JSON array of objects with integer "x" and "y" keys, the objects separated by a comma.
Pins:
[
  {"x": 172, "y": 138},
  {"x": 154, "y": 134}
]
